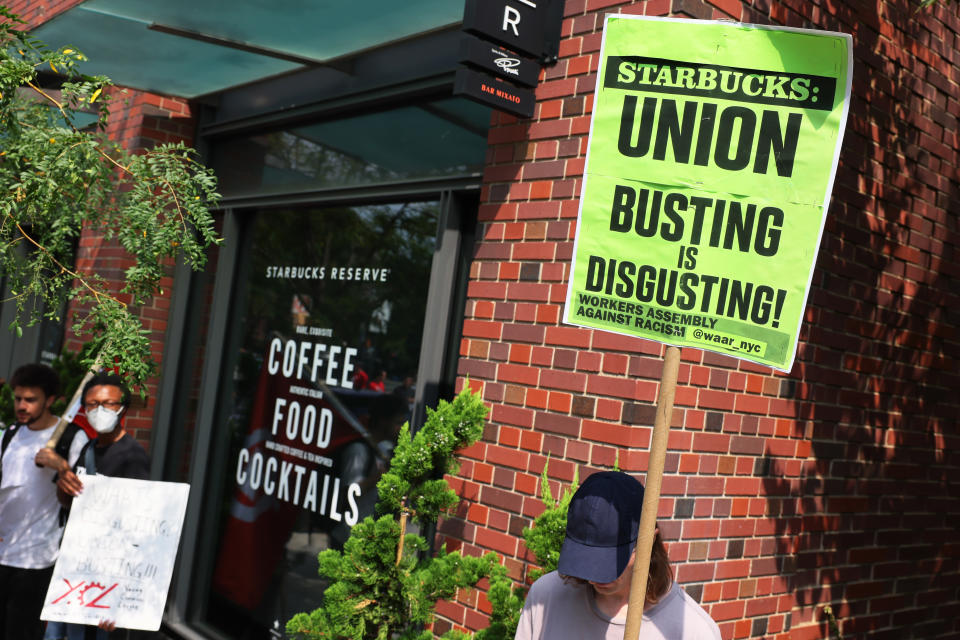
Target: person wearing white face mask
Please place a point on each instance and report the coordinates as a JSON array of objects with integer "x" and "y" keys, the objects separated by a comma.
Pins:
[{"x": 113, "y": 453}]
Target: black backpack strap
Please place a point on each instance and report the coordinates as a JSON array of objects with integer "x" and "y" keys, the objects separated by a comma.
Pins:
[
  {"x": 89, "y": 458},
  {"x": 62, "y": 448},
  {"x": 8, "y": 434},
  {"x": 7, "y": 437}
]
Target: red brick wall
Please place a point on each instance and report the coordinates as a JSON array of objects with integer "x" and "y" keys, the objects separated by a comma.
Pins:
[
  {"x": 836, "y": 484},
  {"x": 138, "y": 120},
  {"x": 36, "y": 12}
]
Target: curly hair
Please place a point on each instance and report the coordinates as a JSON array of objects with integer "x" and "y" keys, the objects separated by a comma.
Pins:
[{"x": 37, "y": 375}]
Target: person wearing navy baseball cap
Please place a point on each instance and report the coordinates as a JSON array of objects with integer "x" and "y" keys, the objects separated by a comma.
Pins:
[{"x": 586, "y": 598}]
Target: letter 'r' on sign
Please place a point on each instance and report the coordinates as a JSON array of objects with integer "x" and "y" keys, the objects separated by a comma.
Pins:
[
  {"x": 512, "y": 17},
  {"x": 511, "y": 20},
  {"x": 517, "y": 24}
]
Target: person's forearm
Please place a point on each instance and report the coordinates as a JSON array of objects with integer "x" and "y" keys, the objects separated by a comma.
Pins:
[{"x": 50, "y": 459}]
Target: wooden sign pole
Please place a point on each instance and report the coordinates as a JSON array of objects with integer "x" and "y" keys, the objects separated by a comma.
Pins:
[
  {"x": 651, "y": 496},
  {"x": 62, "y": 422}
]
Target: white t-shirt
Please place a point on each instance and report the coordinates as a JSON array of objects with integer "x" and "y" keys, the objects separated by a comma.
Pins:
[
  {"x": 555, "y": 610},
  {"x": 29, "y": 511}
]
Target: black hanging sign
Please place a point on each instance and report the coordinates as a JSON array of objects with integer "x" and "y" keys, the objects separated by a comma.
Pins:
[
  {"x": 491, "y": 57},
  {"x": 497, "y": 94},
  {"x": 517, "y": 24}
]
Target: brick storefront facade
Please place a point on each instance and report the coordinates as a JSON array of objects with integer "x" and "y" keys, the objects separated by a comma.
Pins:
[{"x": 835, "y": 484}]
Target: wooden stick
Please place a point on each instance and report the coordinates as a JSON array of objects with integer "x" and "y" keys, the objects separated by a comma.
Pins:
[
  {"x": 62, "y": 421},
  {"x": 651, "y": 495},
  {"x": 403, "y": 530}
]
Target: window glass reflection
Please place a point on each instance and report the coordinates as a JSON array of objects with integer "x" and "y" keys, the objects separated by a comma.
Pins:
[
  {"x": 441, "y": 138},
  {"x": 329, "y": 319}
]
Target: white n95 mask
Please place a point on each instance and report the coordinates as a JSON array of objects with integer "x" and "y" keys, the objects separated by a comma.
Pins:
[{"x": 103, "y": 420}]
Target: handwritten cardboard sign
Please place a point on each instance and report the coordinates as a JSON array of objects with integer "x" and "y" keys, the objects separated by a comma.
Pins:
[{"x": 118, "y": 552}]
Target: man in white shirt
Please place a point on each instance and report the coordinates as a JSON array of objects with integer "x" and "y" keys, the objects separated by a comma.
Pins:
[{"x": 29, "y": 511}]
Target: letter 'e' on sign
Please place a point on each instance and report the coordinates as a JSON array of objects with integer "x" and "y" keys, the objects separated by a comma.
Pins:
[
  {"x": 517, "y": 24},
  {"x": 710, "y": 169}
]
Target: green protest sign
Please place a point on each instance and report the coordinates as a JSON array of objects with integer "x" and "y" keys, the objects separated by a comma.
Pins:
[{"x": 710, "y": 163}]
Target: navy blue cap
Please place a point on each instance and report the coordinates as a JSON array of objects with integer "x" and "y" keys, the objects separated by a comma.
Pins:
[{"x": 602, "y": 524}]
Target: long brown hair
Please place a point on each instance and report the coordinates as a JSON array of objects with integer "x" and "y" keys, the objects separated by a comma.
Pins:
[{"x": 659, "y": 578}]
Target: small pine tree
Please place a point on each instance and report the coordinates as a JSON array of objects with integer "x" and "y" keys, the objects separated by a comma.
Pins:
[
  {"x": 506, "y": 602},
  {"x": 383, "y": 587},
  {"x": 546, "y": 535}
]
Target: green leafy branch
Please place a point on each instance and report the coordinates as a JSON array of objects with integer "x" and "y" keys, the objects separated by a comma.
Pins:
[
  {"x": 832, "y": 623},
  {"x": 545, "y": 537},
  {"x": 58, "y": 176}
]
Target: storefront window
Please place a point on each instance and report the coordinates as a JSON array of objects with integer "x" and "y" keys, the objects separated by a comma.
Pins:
[
  {"x": 436, "y": 139},
  {"x": 328, "y": 316}
]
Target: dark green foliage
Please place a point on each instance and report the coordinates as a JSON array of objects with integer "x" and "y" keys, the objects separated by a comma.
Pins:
[
  {"x": 545, "y": 538},
  {"x": 57, "y": 176},
  {"x": 506, "y": 601},
  {"x": 372, "y": 595},
  {"x": 415, "y": 475},
  {"x": 832, "y": 623}
]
